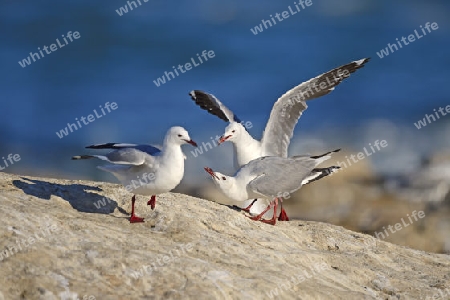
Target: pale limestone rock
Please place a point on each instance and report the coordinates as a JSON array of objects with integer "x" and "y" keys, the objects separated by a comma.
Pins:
[{"x": 189, "y": 248}]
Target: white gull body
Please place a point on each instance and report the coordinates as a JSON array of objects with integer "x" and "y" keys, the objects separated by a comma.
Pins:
[
  {"x": 271, "y": 178},
  {"x": 144, "y": 169}
]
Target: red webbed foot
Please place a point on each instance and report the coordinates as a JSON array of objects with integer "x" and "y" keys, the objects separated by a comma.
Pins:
[
  {"x": 133, "y": 218},
  {"x": 272, "y": 221},
  {"x": 152, "y": 202},
  {"x": 283, "y": 215}
]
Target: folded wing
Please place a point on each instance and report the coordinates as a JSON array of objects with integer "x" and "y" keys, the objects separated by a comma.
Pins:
[
  {"x": 278, "y": 176},
  {"x": 142, "y": 147}
]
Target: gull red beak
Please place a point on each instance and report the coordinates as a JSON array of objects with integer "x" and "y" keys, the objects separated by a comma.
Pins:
[
  {"x": 191, "y": 142},
  {"x": 211, "y": 172},
  {"x": 223, "y": 139}
]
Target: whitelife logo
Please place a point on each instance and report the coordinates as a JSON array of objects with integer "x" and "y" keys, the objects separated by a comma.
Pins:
[
  {"x": 411, "y": 38},
  {"x": 124, "y": 9},
  {"x": 431, "y": 118},
  {"x": 11, "y": 158},
  {"x": 71, "y": 36},
  {"x": 280, "y": 17},
  {"x": 188, "y": 66},
  {"x": 399, "y": 226},
  {"x": 90, "y": 118}
]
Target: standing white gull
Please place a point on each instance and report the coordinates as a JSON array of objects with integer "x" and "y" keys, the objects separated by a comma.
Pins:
[
  {"x": 270, "y": 178},
  {"x": 160, "y": 170},
  {"x": 285, "y": 114}
]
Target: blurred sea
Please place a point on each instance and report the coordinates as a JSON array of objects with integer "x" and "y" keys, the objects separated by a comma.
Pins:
[{"x": 118, "y": 57}]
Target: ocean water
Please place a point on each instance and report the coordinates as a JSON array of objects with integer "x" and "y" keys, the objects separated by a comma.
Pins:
[{"x": 118, "y": 58}]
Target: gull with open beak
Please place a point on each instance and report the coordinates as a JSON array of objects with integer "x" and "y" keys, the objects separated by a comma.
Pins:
[
  {"x": 269, "y": 177},
  {"x": 285, "y": 114}
]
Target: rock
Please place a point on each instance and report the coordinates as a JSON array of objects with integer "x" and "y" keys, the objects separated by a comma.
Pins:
[
  {"x": 354, "y": 199},
  {"x": 63, "y": 239}
]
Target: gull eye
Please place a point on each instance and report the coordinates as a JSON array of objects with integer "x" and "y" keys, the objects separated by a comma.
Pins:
[
  {"x": 233, "y": 131},
  {"x": 179, "y": 135},
  {"x": 223, "y": 178}
]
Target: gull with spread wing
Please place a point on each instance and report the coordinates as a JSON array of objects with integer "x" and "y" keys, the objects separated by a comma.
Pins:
[
  {"x": 284, "y": 116},
  {"x": 160, "y": 169}
]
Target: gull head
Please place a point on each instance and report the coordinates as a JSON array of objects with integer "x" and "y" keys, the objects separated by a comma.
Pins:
[
  {"x": 218, "y": 178},
  {"x": 178, "y": 135},
  {"x": 228, "y": 186},
  {"x": 232, "y": 132}
]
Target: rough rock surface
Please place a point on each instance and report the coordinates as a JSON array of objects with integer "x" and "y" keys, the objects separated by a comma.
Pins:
[{"x": 58, "y": 242}]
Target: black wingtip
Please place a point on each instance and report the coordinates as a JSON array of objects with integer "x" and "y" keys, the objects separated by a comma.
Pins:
[
  {"x": 357, "y": 64},
  {"x": 322, "y": 155},
  {"x": 77, "y": 157},
  {"x": 207, "y": 102},
  {"x": 192, "y": 94},
  {"x": 196, "y": 93},
  {"x": 360, "y": 63},
  {"x": 102, "y": 146}
]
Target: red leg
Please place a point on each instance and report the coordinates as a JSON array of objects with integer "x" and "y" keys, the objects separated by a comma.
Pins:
[
  {"x": 133, "y": 218},
  {"x": 273, "y": 221},
  {"x": 152, "y": 202},
  {"x": 247, "y": 209},
  {"x": 283, "y": 215},
  {"x": 256, "y": 218}
]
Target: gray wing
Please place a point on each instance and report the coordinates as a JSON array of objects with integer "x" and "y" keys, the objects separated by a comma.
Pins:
[
  {"x": 289, "y": 107},
  {"x": 276, "y": 175},
  {"x": 211, "y": 104},
  {"x": 144, "y": 148},
  {"x": 129, "y": 156}
]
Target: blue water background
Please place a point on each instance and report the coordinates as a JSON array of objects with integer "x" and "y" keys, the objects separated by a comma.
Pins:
[{"x": 118, "y": 57}]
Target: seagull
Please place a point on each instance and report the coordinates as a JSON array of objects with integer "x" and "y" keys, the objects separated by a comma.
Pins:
[
  {"x": 271, "y": 178},
  {"x": 285, "y": 114},
  {"x": 144, "y": 169}
]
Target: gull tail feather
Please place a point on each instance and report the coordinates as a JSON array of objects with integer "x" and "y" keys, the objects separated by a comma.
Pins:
[
  {"x": 318, "y": 158},
  {"x": 329, "y": 152},
  {"x": 319, "y": 173}
]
